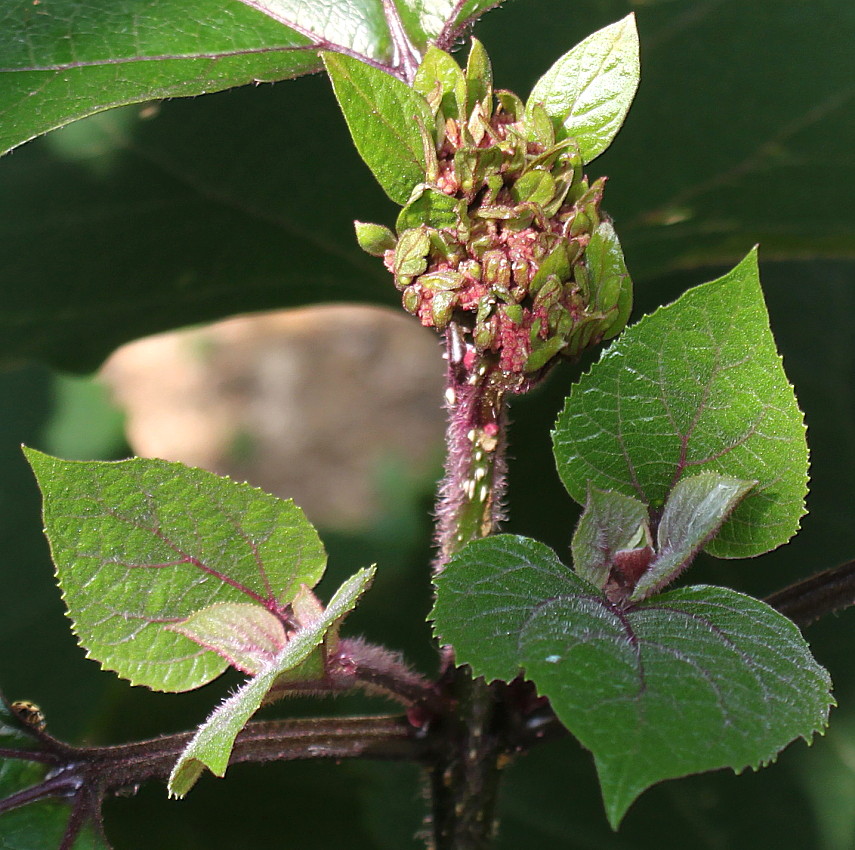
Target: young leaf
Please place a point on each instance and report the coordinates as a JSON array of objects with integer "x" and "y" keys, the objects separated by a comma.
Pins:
[
  {"x": 212, "y": 744},
  {"x": 246, "y": 635},
  {"x": 587, "y": 92},
  {"x": 383, "y": 115},
  {"x": 694, "y": 512},
  {"x": 610, "y": 523},
  {"x": 693, "y": 680},
  {"x": 374, "y": 239},
  {"x": 438, "y": 67},
  {"x": 142, "y": 544},
  {"x": 609, "y": 279},
  {"x": 430, "y": 207},
  {"x": 65, "y": 60},
  {"x": 697, "y": 385}
]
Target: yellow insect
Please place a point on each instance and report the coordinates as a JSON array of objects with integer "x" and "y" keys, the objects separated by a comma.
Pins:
[{"x": 30, "y": 713}]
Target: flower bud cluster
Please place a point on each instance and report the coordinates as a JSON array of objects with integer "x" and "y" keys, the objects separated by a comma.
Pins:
[{"x": 498, "y": 237}]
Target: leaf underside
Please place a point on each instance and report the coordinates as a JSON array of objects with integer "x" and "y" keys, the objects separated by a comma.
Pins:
[{"x": 212, "y": 744}]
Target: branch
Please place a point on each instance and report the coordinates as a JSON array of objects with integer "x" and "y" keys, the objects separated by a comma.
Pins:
[
  {"x": 85, "y": 775},
  {"x": 824, "y": 593}
]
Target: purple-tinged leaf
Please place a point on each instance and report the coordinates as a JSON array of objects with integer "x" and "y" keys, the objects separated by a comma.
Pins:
[
  {"x": 696, "y": 386},
  {"x": 694, "y": 512},
  {"x": 143, "y": 544},
  {"x": 610, "y": 523},
  {"x": 246, "y": 635},
  {"x": 693, "y": 680},
  {"x": 212, "y": 744}
]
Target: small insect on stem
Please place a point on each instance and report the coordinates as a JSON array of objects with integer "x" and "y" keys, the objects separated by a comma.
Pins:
[{"x": 30, "y": 714}]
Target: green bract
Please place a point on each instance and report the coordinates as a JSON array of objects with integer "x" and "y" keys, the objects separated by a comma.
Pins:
[
  {"x": 587, "y": 92},
  {"x": 387, "y": 120},
  {"x": 696, "y": 679},
  {"x": 501, "y": 231}
]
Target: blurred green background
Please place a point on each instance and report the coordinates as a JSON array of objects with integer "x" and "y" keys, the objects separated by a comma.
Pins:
[{"x": 141, "y": 220}]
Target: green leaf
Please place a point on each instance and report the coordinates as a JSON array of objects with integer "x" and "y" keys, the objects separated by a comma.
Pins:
[
  {"x": 697, "y": 385},
  {"x": 611, "y": 285},
  {"x": 587, "y": 92},
  {"x": 383, "y": 115},
  {"x": 694, "y": 513},
  {"x": 212, "y": 744},
  {"x": 693, "y": 680},
  {"x": 610, "y": 523},
  {"x": 430, "y": 207},
  {"x": 141, "y": 544},
  {"x": 359, "y": 26},
  {"x": 374, "y": 239},
  {"x": 63, "y": 60},
  {"x": 479, "y": 78},
  {"x": 438, "y": 67}
]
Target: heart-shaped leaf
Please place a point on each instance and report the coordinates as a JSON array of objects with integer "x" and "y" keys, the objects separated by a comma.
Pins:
[
  {"x": 698, "y": 385},
  {"x": 212, "y": 744},
  {"x": 588, "y": 91},
  {"x": 142, "y": 544},
  {"x": 693, "y": 680}
]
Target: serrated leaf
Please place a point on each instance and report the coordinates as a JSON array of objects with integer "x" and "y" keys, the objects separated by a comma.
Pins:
[
  {"x": 693, "y": 680},
  {"x": 611, "y": 522},
  {"x": 698, "y": 385},
  {"x": 695, "y": 511},
  {"x": 63, "y": 60},
  {"x": 212, "y": 744},
  {"x": 588, "y": 91},
  {"x": 382, "y": 114},
  {"x": 140, "y": 544},
  {"x": 246, "y": 635}
]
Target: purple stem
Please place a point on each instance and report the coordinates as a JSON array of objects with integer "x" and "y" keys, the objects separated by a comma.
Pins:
[{"x": 470, "y": 502}]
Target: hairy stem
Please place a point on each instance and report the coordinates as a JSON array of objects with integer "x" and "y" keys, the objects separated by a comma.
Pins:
[
  {"x": 97, "y": 771},
  {"x": 472, "y": 491},
  {"x": 464, "y": 779}
]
